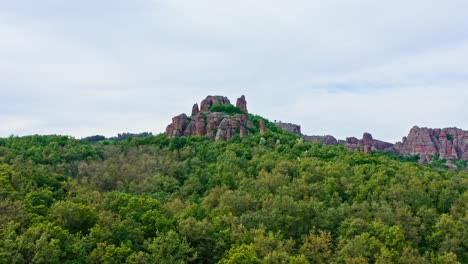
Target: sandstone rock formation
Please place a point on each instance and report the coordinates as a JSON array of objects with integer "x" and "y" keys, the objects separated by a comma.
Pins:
[
  {"x": 195, "y": 110},
  {"x": 214, "y": 125},
  {"x": 262, "y": 127},
  {"x": 293, "y": 128},
  {"x": 367, "y": 144},
  {"x": 448, "y": 143},
  {"x": 178, "y": 126},
  {"x": 209, "y": 101},
  {"x": 242, "y": 104},
  {"x": 325, "y": 140}
]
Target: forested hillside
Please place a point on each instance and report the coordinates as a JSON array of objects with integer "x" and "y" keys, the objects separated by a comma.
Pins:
[{"x": 269, "y": 198}]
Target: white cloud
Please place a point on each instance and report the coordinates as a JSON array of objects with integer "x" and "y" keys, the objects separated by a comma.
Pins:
[{"x": 336, "y": 67}]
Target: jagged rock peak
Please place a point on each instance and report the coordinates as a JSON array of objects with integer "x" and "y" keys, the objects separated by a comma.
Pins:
[
  {"x": 447, "y": 143},
  {"x": 242, "y": 104},
  {"x": 195, "y": 110},
  {"x": 215, "y": 125},
  {"x": 211, "y": 100}
]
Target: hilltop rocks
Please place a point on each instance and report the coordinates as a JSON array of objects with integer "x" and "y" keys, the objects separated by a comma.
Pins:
[
  {"x": 215, "y": 125},
  {"x": 195, "y": 110},
  {"x": 242, "y": 104},
  {"x": 292, "y": 128},
  {"x": 209, "y": 101},
  {"x": 448, "y": 143},
  {"x": 367, "y": 144},
  {"x": 325, "y": 140},
  {"x": 178, "y": 126}
]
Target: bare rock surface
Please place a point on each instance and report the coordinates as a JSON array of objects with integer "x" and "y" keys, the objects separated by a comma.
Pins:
[
  {"x": 292, "y": 128},
  {"x": 448, "y": 143},
  {"x": 242, "y": 104},
  {"x": 215, "y": 125}
]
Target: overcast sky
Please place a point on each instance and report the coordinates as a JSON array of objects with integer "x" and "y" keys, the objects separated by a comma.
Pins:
[{"x": 86, "y": 67}]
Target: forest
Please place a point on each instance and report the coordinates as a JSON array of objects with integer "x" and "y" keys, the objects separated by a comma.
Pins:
[{"x": 271, "y": 198}]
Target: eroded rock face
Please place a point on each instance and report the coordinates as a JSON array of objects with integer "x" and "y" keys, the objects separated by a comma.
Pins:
[
  {"x": 210, "y": 100},
  {"x": 195, "y": 110},
  {"x": 448, "y": 143},
  {"x": 292, "y": 128},
  {"x": 215, "y": 125},
  {"x": 367, "y": 144},
  {"x": 262, "y": 127},
  {"x": 242, "y": 104},
  {"x": 178, "y": 126}
]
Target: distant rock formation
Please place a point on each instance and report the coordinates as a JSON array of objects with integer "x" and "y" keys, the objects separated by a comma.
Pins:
[
  {"x": 367, "y": 144},
  {"x": 242, "y": 104},
  {"x": 292, "y": 128},
  {"x": 209, "y": 101},
  {"x": 427, "y": 143},
  {"x": 325, "y": 140},
  {"x": 215, "y": 125},
  {"x": 195, "y": 110},
  {"x": 448, "y": 143}
]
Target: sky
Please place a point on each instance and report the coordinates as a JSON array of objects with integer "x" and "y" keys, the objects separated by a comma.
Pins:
[{"x": 336, "y": 67}]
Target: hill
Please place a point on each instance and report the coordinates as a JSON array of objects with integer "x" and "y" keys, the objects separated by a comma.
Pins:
[{"x": 263, "y": 195}]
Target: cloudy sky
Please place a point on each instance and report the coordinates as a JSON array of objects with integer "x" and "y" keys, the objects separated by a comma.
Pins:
[{"x": 85, "y": 67}]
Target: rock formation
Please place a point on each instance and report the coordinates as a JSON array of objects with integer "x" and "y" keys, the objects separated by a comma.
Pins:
[
  {"x": 242, "y": 104},
  {"x": 292, "y": 128},
  {"x": 178, "y": 126},
  {"x": 325, "y": 140},
  {"x": 214, "y": 125},
  {"x": 367, "y": 144},
  {"x": 262, "y": 127},
  {"x": 427, "y": 143},
  {"x": 195, "y": 110},
  {"x": 448, "y": 143},
  {"x": 209, "y": 101}
]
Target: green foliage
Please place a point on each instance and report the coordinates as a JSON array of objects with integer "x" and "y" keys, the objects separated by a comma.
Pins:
[
  {"x": 227, "y": 109},
  {"x": 269, "y": 198}
]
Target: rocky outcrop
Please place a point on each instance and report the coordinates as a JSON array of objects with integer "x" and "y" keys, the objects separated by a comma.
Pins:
[
  {"x": 448, "y": 143},
  {"x": 262, "y": 127},
  {"x": 215, "y": 125},
  {"x": 242, "y": 104},
  {"x": 209, "y": 101},
  {"x": 367, "y": 144},
  {"x": 195, "y": 110},
  {"x": 178, "y": 126},
  {"x": 325, "y": 140},
  {"x": 292, "y": 128}
]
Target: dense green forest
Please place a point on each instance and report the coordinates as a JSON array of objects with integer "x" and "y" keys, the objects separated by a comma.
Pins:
[{"x": 257, "y": 199}]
